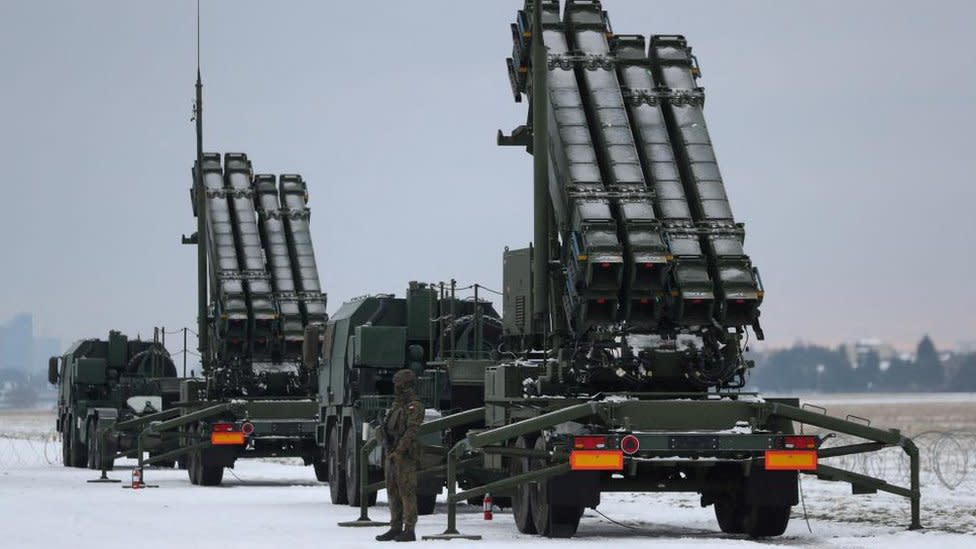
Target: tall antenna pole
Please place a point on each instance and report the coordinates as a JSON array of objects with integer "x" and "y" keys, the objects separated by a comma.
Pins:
[
  {"x": 540, "y": 163},
  {"x": 201, "y": 207}
]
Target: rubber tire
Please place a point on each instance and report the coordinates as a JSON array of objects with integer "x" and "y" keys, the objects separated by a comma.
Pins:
[
  {"x": 426, "y": 504},
  {"x": 521, "y": 504},
  {"x": 206, "y": 476},
  {"x": 192, "y": 458},
  {"x": 79, "y": 453},
  {"x": 210, "y": 476},
  {"x": 65, "y": 443},
  {"x": 352, "y": 470},
  {"x": 321, "y": 471},
  {"x": 337, "y": 475},
  {"x": 91, "y": 451},
  {"x": 765, "y": 521},
  {"x": 552, "y": 521},
  {"x": 106, "y": 457},
  {"x": 730, "y": 514}
]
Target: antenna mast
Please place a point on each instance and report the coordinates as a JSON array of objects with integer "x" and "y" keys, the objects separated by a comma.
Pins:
[{"x": 201, "y": 206}]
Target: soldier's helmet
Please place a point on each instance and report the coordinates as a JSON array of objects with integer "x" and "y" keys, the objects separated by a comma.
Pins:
[{"x": 404, "y": 380}]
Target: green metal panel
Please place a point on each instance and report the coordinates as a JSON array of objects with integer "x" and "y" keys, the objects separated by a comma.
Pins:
[
  {"x": 117, "y": 349},
  {"x": 421, "y": 303},
  {"x": 90, "y": 371},
  {"x": 517, "y": 279},
  {"x": 468, "y": 372},
  {"x": 380, "y": 346}
]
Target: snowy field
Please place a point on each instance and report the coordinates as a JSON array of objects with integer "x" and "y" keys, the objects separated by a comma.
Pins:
[{"x": 279, "y": 504}]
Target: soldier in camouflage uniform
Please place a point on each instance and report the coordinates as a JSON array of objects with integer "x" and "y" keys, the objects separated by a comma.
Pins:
[{"x": 398, "y": 434}]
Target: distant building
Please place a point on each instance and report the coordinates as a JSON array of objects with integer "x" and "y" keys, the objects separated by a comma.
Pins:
[
  {"x": 966, "y": 347},
  {"x": 856, "y": 351}
]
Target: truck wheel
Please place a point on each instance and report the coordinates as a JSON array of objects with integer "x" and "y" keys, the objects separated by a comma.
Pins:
[
  {"x": 730, "y": 511},
  {"x": 762, "y": 521},
  {"x": 426, "y": 504},
  {"x": 79, "y": 452},
  {"x": 92, "y": 452},
  {"x": 521, "y": 504},
  {"x": 65, "y": 444},
  {"x": 106, "y": 455},
  {"x": 337, "y": 476},
  {"x": 321, "y": 471},
  {"x": 352, "y": 470},
  {"x": 552, "y": 521}
]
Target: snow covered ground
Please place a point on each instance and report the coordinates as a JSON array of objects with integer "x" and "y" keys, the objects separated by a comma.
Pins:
[{"x": 279, "y": 504}]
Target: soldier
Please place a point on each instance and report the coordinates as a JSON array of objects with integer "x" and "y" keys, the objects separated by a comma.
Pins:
[{"x": 398, "y": 434}]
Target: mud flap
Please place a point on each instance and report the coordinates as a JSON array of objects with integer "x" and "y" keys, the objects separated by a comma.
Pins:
[
  {"x": 575, "y": 489},
  {"x": 764, "y": 487}
]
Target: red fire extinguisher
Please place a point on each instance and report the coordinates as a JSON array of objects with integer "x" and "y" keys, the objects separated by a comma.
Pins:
[
  {"x": 137, "y": 478},
  {"x": 487, "y": 506}
]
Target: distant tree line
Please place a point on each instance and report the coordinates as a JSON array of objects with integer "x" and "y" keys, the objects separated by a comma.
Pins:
[{"x": 816, "y": 368}]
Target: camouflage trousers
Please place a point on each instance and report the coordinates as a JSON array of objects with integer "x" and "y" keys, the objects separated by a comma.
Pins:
[{"x": 401, "y": 490}]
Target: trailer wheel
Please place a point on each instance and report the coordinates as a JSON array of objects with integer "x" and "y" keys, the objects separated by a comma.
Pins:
[
  {"x": 193, "y": 457},
  {"x": 552, "y": 521},
  {"x": 352, "y": 470},
  {"x": 521, "y": 502},
  {"x": 425, "y": 503},
  {"x": 730, "y": 513},
  {"x": 762, "y": 521},
  {"x": 337, "y": 477},
  {"x": 210, "y": 476}
]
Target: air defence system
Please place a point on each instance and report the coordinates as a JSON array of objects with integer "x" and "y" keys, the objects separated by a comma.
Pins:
[
  {"x": 102, "y": 382},
  {"x": 642, "y": 234},
  {"x": 260, "y": 337},
  {"x": 264, "y": 313},
  {"x": 628, "y": 318}
]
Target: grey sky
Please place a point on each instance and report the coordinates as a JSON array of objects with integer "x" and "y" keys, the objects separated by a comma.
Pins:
[{"x": 844, "y": 131}]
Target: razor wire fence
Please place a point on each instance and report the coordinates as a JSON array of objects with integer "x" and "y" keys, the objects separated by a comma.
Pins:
[
  {"x": 946, "y": 457},
  {"x": 30, "y": 449}
]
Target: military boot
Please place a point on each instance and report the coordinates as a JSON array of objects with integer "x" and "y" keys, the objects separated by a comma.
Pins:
[
  {"x": 407, "y": 535},
  {"x": 392, "y": 534}
]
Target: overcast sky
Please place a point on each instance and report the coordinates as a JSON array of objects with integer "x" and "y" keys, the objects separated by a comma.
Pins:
[{"x": 844, "y": 131}]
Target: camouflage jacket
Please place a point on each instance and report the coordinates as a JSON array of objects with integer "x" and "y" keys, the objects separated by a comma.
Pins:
[{"x": 399, "y": 431}]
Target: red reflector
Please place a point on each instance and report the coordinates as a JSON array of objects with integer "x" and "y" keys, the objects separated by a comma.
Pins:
[
  {"x": 696, "y": 301},
  {"x": 800, "y": 442},
  {"x": 601, "y": 301},
  {"x": 605, "y": 265},
  {"x": 649, "y": 265},
  {"x": 630, "y": 444},
  {"x": 644, "y": 301},
  {"x": 222, "y": 427},
  {"x": 740, "y": 301},
  {"x": 590, "y": 442},
  {"x": 247, "y": 428}
]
